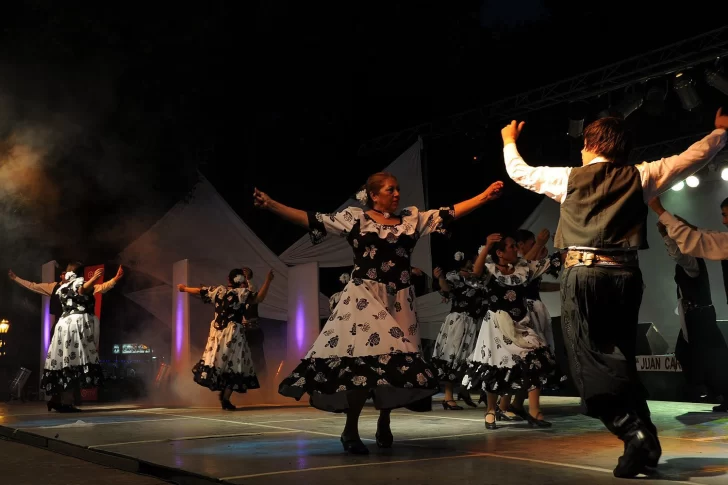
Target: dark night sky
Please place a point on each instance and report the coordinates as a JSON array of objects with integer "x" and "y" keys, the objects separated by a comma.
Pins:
[{"x": 117, "y": 108}]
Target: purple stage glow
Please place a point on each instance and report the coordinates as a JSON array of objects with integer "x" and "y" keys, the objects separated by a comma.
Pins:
[
  {"x": 179, "y": 325},
  {"x": 46, "y": 323},
  {"x": 300, "y": 322}
]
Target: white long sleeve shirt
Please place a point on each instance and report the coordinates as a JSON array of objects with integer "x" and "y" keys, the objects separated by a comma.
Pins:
[
  {"x": 700, "y": 243},
  {"x": 656, "y": 176}
]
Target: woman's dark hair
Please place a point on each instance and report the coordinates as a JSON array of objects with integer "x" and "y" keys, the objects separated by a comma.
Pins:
[
  {"x": 499, "y": 246},
  {"x": 73, "y": 266},
  {"x": 250, "y": 272},
  {"x": 374, "y": 184},
  {"x": 523, "y": 235},
  {"x": 233, "y": 274}
]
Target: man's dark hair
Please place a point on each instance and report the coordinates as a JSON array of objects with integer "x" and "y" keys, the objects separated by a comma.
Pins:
[
  {"x": 609, "y": 138},
  {"x": 724, "y": 203}
]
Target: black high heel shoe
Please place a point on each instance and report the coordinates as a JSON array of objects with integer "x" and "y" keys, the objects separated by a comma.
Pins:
[
  {"x": 384, "y": 438},
  {"x": 492, "y": 425},
  {"x": 227, "y": 405},
  {"x": 465, "y": 397},
  {"x": 354, "y": 446},
  {"x": 540, "y": 423},
  {"x": 447, "y": 406},
  {"x": 501, "y": 415}
]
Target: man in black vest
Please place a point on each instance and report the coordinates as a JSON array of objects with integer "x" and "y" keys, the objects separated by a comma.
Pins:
[
  {"x": 700, "y": 348},
  {"x": 602, "y": 225}
]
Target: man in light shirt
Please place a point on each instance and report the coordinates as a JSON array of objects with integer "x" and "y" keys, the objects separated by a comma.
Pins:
[
  {"x": 602, "y": 225},
  {"x": 691, "y": 240},
  {"x": 700, "y": 348}
]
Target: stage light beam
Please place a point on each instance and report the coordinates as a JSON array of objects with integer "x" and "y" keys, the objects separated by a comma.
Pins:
[{"x": 692, "y": 181}]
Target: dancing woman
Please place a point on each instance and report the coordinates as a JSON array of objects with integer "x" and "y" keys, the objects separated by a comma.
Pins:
[
  {"x": 532, "y": 247},
  {"x": 509, "y": 355},
  {"x": 456, "y": 339},
  {"x": 370, "y": 346},
  {"x": 72, "y": 361},
  {"x": 227, "y": 364}
]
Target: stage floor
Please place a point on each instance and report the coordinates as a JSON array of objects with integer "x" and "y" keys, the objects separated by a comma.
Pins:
[{"x": 299, "y": 445}]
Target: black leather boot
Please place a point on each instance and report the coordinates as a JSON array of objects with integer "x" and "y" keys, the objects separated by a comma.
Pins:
[{"x": 641, "y": 447}]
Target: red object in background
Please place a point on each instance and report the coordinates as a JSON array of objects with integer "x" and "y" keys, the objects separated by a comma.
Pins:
[
  {"x": 90, "y": 394},
  {"x": 88, "y": 272}
]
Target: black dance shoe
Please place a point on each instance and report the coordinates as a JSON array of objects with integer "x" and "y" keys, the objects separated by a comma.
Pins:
[
  {"x": 354, "y": 446},
  {"x": 465, "y": 397},
  {"x": 490, "y": 425},
  {"x": 227, "y": 405},
  {"x": 452, "y": 407}
]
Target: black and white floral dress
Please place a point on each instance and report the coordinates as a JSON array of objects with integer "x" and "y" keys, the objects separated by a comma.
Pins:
[
  {"x": 539, "y": 313},
  {"x": 456, "y": 339},
  {"x": 227, "y": 361},
  {"x": 72, "y": 361},
  {"x": 371, "y": 341},
  {"x": 509, "y": 354}
]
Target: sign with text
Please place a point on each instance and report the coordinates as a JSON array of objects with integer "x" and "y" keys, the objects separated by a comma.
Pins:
[{"x": 658, "y": 363}]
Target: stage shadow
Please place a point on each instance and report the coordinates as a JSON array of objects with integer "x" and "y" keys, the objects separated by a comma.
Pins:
[
  {"x": 694, "y": 418},
  {"x": 683, "y": 469}
]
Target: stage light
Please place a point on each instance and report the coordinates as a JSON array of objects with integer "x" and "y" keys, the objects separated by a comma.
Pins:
[
  {"x": 655, "y": 99},
  {"x": 577, "y": 113},
  {"x": 629, "y": 104},
  {"x": 724, "y": 174},
  {"x": 717, "y": 81},
  {"x": 684, "y": 86},
  {"x": 692, "y": 181},
  {"x": 4, "y": 326},
  {"x": 678, "y": 186}
]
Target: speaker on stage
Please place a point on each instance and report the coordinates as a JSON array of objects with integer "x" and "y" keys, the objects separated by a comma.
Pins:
[{"x": 649, "y": 340}]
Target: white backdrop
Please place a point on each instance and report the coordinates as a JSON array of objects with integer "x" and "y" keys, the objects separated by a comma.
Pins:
[{"x": 208, "y": 233}]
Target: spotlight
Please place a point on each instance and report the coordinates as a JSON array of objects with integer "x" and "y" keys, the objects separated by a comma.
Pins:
[
  {"x": 655, "y": 99},
  {"x": 684, "y": 86},
  {"x": 678, "y": 186},
  {"x": 629, "y": 104},
  {"x": 717, "y": 81},
  {"x": 724, "y": 174},
  {"x": 692, "y": 181},
  {"x": 577, "y": 112}
]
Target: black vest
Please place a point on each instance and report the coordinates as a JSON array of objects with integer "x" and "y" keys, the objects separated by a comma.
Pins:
[
  {"x": 695, "y": 291},
  {"x": 603, "y": 209}
]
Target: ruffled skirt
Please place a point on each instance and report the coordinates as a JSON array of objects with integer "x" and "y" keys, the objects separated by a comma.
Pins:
[
  {"x": 227, "y": 361},
  {"x": 371, "y": 343},
  {"x": 72, "y": 361},
  {"x": 454, "y": 345},
  {"x": 509, "y": 357}
]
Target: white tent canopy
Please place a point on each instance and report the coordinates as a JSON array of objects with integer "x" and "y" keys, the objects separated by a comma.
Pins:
[
  {"x": 214, "y": 238},
  {"x": 699, "y": 206},
  {"x": 335, "y": 251}
]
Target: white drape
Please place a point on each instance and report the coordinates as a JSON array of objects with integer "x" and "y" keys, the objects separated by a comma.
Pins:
[{"x": 208, "y": 233}]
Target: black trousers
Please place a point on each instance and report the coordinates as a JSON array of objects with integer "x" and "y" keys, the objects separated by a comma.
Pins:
[
  {"x": 705, "y": 358},
  {"x": 599, "y": 314}
]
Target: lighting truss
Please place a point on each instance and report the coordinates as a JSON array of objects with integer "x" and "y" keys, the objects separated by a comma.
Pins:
[{"x": 666, "y": 60}]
